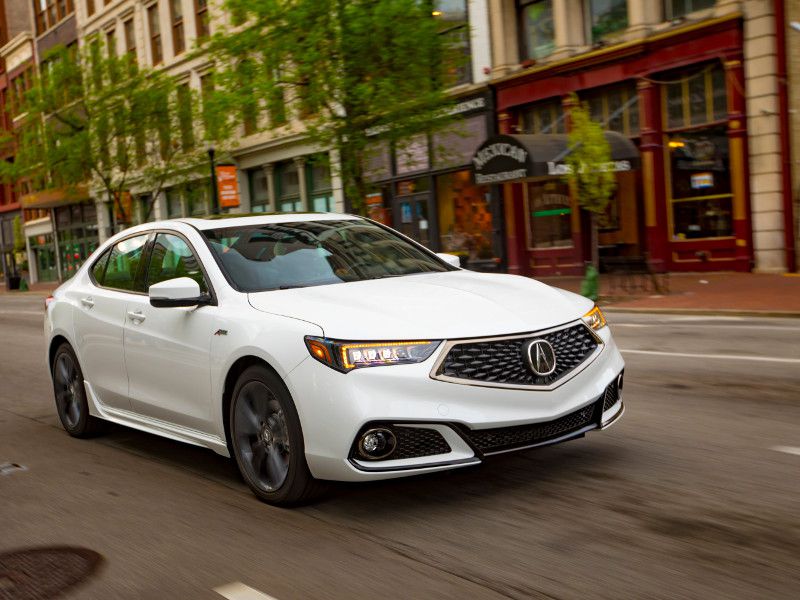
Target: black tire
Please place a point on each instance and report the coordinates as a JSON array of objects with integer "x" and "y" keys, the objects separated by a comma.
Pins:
[
  {"x": 70, "y": 395},
  {"x": 267, "y": 440}
]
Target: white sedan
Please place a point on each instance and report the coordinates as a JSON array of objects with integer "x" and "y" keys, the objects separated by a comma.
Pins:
[{"x": 323, "y": 347}]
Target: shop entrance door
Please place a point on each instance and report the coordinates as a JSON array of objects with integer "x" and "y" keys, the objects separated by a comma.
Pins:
[{"x": 412, "y": 217}]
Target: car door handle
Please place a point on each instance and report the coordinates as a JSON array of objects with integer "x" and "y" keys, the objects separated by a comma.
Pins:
[
  {"x": 136, "y": 317},
  {"x": 88, "y": 302}
]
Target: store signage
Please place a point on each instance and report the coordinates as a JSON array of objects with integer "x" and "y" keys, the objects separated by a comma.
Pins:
[
  {"x": 702, "y": 181},
  {"x": 227, "y": 186},
  {"x": 499, "y": 159},
  {"x": 555, "y": 168}
]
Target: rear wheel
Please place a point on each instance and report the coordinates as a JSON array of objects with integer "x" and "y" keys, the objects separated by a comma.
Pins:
[
  {"x": 267, "y": 440},
  {"x": 70, "y": 395}
]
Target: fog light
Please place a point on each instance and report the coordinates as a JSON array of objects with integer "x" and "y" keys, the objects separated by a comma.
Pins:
[{"x": 375, "y": 444}]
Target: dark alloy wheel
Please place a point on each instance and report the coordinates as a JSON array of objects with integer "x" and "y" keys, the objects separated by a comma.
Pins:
[
  {"x": 70, "y": 394},
  {"x": 267, "y": 439}
]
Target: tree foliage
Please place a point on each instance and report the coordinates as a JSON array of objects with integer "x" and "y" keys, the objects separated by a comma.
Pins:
[
  {"x": 342, "y": 72},
  {"x": 589, "y": 160},
  {"x": 589, "y": 171},
  {"x": 94, "y": 118}
]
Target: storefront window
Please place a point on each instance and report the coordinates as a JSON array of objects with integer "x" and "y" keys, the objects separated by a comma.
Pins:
[
  {"x": 456, "y": 145},
  {"x": 536, "y": 22},
  {"x": 543, "y": 117},
  {"x": 43, "y": 251},
  {"x": 174, "y": 208},
  {"x": 320, "y": 187},
  {"x": 77, "y": 235},
  {"x": 412, "y": 155},
  {"x": 465, "y": 218},
  {"x": 549, "y": 214},
  {"x": 701, "y": 185},
  {"x": 677, "y": 8},
  {"x": 606, "y": 17},
  {"x": 197, "y": 199},
  {"x": 259, "y": 196},
  {"x": 288, "y": 186},
  {"x": 616, "y": 107},
  {"x": 696, "y": 97}
]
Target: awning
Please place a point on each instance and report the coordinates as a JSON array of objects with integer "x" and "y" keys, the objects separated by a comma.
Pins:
[
  {"x": 505, "y": 158},
  {"x": 54, "y": 198}
]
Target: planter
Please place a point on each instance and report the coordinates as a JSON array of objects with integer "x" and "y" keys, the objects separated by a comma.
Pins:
[{"x": 13, "y": 282}]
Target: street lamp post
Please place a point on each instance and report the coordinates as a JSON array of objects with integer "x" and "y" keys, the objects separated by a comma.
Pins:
[{"x": 214, "y": 193}]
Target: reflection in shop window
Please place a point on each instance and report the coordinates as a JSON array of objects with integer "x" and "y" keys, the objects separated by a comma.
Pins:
[
  {"x": 696, "y": 97},
  {"x": 543, "y": 117},
  {"x": 465, "y": 218},
  {"x": 550, "y": 214},
  {"x": 678, "y": 8},
  {"x": 700, "y": 184},
  {"x": 259, "y": 195},
  {"x": 606, "y": 17},
  {"x": 538, "y": 34}
]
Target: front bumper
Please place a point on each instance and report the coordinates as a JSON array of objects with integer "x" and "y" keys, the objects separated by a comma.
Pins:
[{"x": 334, "y": 407}]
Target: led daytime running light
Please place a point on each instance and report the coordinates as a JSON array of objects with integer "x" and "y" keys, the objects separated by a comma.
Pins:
[{"x": 379, "y": 358}]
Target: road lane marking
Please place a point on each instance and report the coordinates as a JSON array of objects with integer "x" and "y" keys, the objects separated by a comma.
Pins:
[
  {"x": 22, "y": 312},
  {"x": 714, "y": 356},
  {"x": 239, "y": 591},
  {"x": 706, "y": 326},
  {"x": 786, "y": 449}
]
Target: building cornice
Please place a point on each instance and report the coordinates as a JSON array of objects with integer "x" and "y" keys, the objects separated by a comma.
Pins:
[
  {"x": 614, "y": 52},
  {"x": 16, "y": 43}
]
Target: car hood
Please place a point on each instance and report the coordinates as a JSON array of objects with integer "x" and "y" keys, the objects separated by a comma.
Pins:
[{"x": 449, "y": 305}]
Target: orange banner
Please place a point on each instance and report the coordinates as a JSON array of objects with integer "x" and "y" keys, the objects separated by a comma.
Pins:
[
  {"x": 123, "y": 208},
  {"x": 227, "y": 186}
]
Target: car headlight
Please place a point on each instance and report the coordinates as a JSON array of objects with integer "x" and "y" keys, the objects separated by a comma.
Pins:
[
  {"x": 346, "y": 356},
  {"x": 594, "y": 318}
]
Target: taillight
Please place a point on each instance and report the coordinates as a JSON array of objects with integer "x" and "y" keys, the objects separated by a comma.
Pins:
[{"x": 47, "y": 301}]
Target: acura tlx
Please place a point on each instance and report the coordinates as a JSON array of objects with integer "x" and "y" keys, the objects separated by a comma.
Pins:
[{"x": 323, "y": 347}]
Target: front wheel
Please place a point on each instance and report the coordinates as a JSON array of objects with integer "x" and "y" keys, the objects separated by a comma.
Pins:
[{"x": 267, "y": 440}]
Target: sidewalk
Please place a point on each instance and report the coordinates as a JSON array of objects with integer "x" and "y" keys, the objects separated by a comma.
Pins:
[
  {"x": 37, "y": 289},
  {"x": 700, "y": 293},
  {"x": 707, "y": 293}
]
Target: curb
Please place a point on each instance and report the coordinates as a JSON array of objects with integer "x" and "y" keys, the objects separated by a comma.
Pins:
[{"x": 708, "y": 312}]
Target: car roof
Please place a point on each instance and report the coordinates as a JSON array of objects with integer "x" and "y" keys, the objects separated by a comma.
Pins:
[{"x": 239, "y": 220}]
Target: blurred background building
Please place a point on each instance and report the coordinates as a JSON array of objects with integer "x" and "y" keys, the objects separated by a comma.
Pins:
[{"x": 706, "y": 90}]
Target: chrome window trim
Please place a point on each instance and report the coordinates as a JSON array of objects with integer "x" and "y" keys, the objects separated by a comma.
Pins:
[{"x": 450, "y": 344}]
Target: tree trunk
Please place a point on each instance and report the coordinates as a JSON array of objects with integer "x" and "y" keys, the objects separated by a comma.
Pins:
[{"x": 594, "y": 241}]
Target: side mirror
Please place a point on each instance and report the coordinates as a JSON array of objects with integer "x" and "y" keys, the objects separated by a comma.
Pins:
[
  {"x": 450, "y": 259},
  {"x": 181, "y": 291}
]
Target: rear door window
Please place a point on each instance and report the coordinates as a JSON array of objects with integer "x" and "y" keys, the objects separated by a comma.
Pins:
[
  {"x": 99, "y": 268},
  {"x": 124, "y": 263}
]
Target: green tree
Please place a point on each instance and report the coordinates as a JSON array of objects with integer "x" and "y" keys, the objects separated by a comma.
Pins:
[
  {"x": 351, "y": 71},
  {"x": 96, "y": 119},
  {"x": 589, "y": 171}
]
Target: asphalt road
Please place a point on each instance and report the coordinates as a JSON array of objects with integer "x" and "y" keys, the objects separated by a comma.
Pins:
[{"x": 695, "y": 493}]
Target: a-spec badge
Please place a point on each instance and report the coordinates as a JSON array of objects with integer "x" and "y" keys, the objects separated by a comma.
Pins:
[{"x": 541, "y": 357}]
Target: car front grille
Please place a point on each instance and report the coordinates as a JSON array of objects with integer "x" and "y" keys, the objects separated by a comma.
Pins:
[
  {"x": 489, "y": 441},
  {"x": 413, "y": 442},
  {"x": 503, "y": 361}
]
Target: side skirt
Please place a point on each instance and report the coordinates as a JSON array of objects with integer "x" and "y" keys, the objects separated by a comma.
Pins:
[{"x": 154, "y": 426}]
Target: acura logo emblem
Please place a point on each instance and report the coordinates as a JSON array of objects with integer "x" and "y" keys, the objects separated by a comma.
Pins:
[{"x": 541, "y": 357}]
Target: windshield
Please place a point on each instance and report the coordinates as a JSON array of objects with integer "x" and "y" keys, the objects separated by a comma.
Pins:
[{"x": 277, "y": 256}]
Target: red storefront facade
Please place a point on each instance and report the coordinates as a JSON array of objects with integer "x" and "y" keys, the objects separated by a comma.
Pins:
[{"x": 679, "y": 95}]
